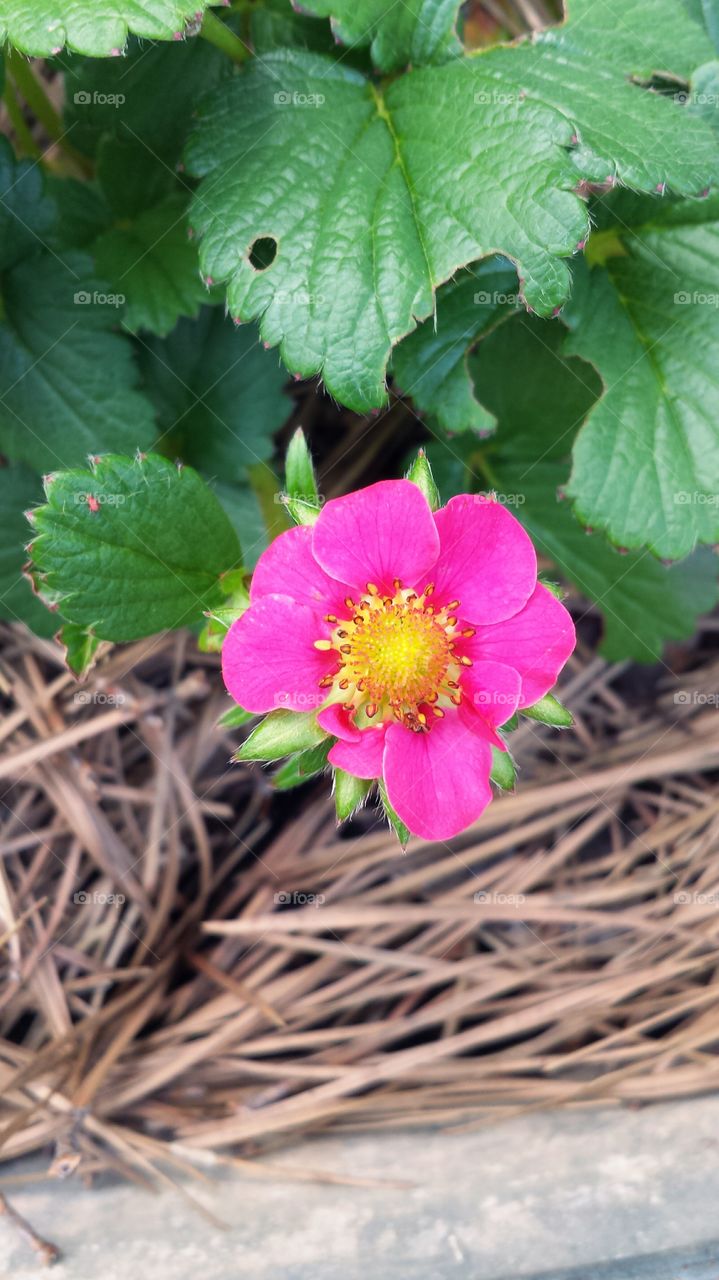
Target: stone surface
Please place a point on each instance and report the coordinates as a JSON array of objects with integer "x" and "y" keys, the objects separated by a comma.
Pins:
[{"x": 558, "y": 1196}]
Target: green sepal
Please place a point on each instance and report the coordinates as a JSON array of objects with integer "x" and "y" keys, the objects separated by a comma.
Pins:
[
  {"x": 510, "y": 725},
  {"x": 80, "y": 645},
  {"x": 549, "y": 710},
  {"x": 349, "y": 793},
  {"x": 401, "y": 831},
  {"x": 301, "y": 498},
  {"x": 235, "y": 718},
  {"x": 554, "y": 587},
  {"x": 302, "y": 767},
  {"x": 281, "y": 733},
  {"x": 301, "y": 512},
  {"x": 504, "y": 774},
  {"x": 420, "y": 473},
  {"x": 219, "y": 620}
]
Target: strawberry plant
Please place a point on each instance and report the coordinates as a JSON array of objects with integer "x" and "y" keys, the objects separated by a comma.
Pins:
[{"x": 519, "y": 243}]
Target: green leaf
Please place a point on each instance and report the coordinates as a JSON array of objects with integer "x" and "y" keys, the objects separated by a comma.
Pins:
[
  {"x": 420, "y": 473},
  {"x": 43, "y": 27},
  {"x": 431, "y": 364},
  {"x": 308, "y": 764},
  {"x": 132, "y": 547},
  {"x": 119, "y": 96},
  {"x": 300, "y": 479},
  {"x": 82, "y": 213},
  {"x": 80, "y": 645},
  {"x": 401, "y": 831},
  {"x": 235, "y": 718},
  {"x": 69, "y": 380},
  {"x": 549, "y": 710},
  {"x": 281, "y": 733},
  {"x": 349, "y": 793},
  {"x": 218, "y": 394},
  {"x": 503, "y": 774},
  {"x": 643, "y": 603},
  {"x": 19, "y": 489},
  {"x": 413, "y": 32},
  {"x": 426, "y": 176},
  {"x": 131, "y": 177},
  {"x": 27, "y": 213},
  {"x": 154, "y": 265},
  {"x": 646, "y": 465}
]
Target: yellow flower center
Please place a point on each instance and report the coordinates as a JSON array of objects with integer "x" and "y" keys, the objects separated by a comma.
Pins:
[{"x": 396, "y": 658}]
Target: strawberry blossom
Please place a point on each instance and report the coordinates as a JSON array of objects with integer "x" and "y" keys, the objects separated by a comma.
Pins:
[{"x": 412, "y": 635}]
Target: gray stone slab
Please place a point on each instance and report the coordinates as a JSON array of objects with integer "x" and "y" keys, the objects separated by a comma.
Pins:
[{"x": 564, "y": 1196}]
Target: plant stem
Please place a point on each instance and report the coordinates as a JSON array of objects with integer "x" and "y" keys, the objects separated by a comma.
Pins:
[
  {"x": 216, "y": 32},
  {"x": 27, "y": 143},
  {"x": 32, "y": 91}
]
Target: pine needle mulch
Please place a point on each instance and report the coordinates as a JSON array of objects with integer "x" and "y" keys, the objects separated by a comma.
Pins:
[{"x": 195, "y": 972}]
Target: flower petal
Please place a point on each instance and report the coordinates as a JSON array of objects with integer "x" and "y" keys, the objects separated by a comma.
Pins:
[
  {"x": 493, "y": 689},
  {"x": 377, "y": 534},
  {"x": 438, "y": 782},
  {"x": 361, "y": 757},
  {"x": 486, "y": 559},
  {"x": 537, "y": 642},
  {"x": 336, "y": 720},
  {"x": 269, "y": 659},
  {"x": 288, "y": 568}
]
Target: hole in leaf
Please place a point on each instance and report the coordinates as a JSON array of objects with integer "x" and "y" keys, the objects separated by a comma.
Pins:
[{"x": 263, "y": 253}]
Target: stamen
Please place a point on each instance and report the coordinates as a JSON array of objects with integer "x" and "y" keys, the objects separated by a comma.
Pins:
[
  {"x": 344, "y": 684},
  {"x": 421, "y": 717},
  {"x": 373, "y": 588},
  {"x": 371, "y": 710},
  {"x": 438, "y": 712},
  {"x": 324, "y": 645},
  {"x": 453, "y": 604},
  {"x": 470, "y": 631},
  {"x": 451, "y": 622},
  {"x": 349, "y": 602},
  {"x": 428, "y": 589},
  {"x": 330, "y": 617},
  {"x": 466, "y": 662}
]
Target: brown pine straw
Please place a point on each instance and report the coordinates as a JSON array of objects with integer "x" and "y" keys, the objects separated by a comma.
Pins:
[{"x": 266, "y": 977}]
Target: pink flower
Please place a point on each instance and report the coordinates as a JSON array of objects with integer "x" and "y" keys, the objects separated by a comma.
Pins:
[{"x": 414, "y": 636}]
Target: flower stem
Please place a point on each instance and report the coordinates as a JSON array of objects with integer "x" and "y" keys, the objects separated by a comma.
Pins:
[
  {"x": 218, "y": 33},
  {"x": 32, "y": 91},
  {"x": 27, "y": 144}
]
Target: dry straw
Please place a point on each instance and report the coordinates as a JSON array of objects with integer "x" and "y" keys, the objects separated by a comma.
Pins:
[{"x": 194, "y": 973}]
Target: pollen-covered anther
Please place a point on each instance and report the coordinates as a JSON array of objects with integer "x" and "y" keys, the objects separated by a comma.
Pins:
[{"x": 397, "y": 653}]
